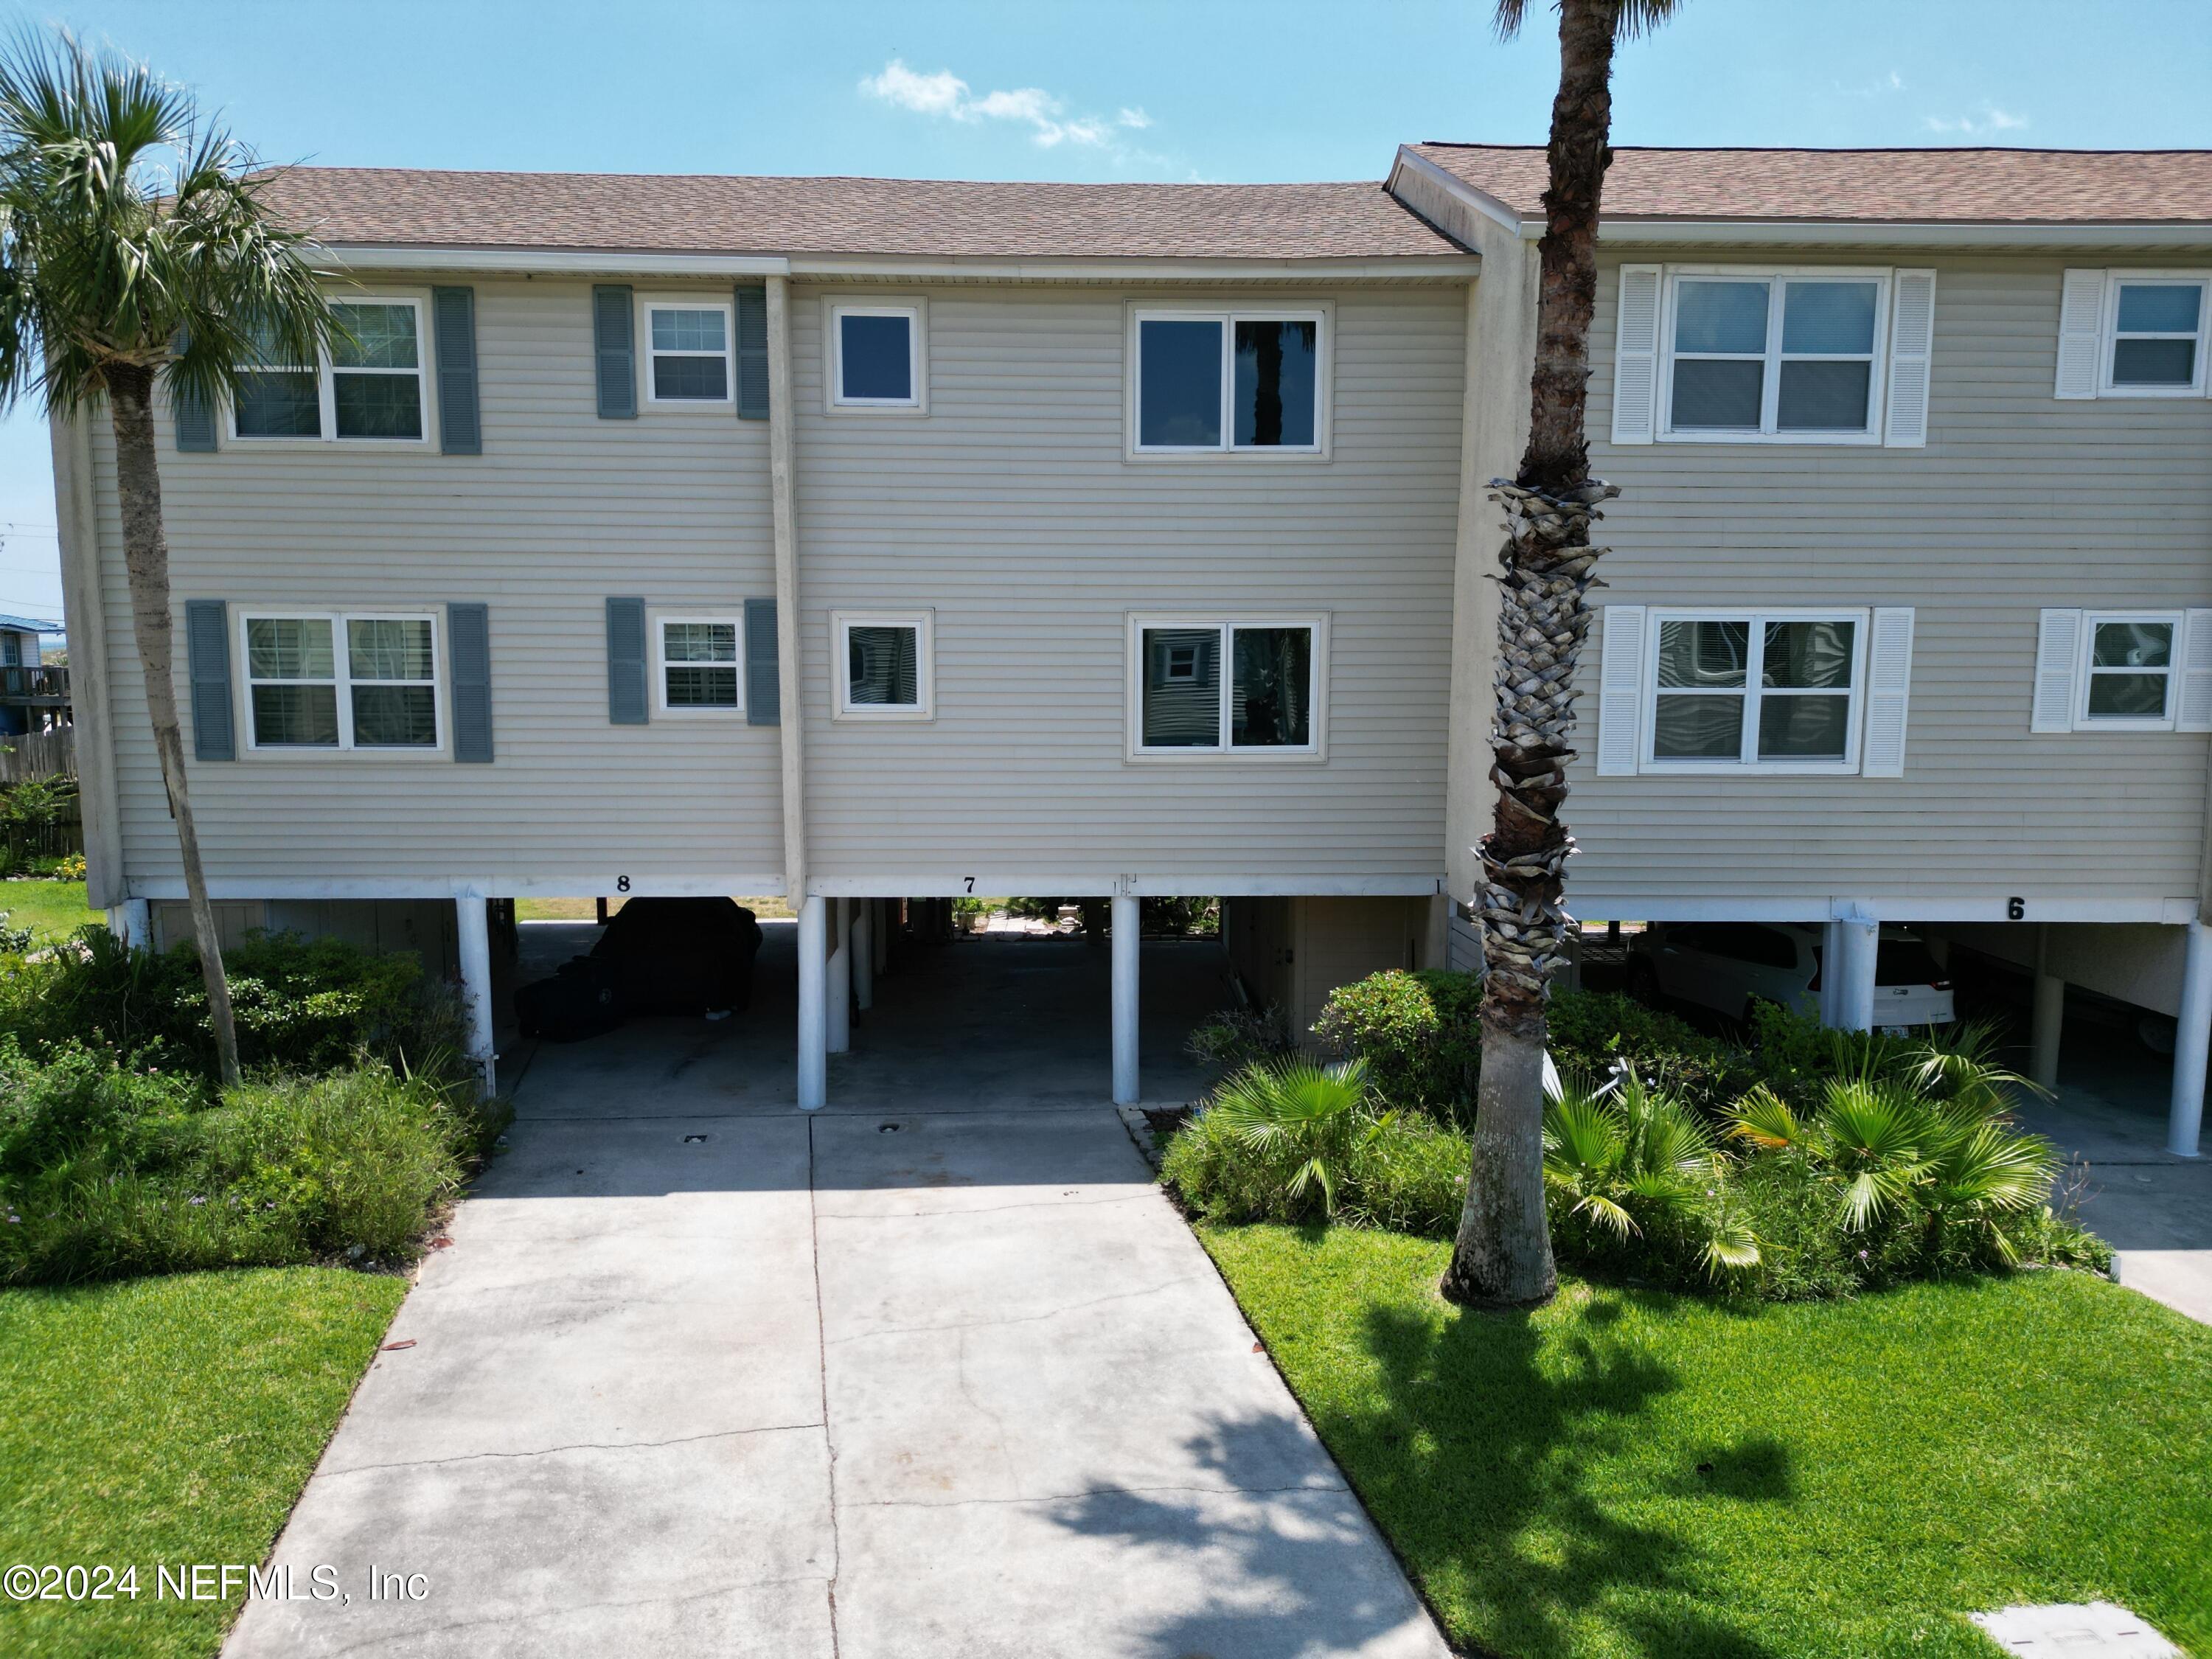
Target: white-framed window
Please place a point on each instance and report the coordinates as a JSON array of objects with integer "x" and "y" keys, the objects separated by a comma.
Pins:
[
  {"x": 338, "y": 680},
  {"x": 699, "y": 662},
  {"x": 369, "y": 385},
  {"x": 2126, "y": 670},
  {"x": 886, "y": 665},
  {"x": 2154, "y": 339},
  {"x": 1766, "y": 690},
  {"x": 1209, "y": 382},
  {"x": 1252, "y": 688},
  {"x": 878, "y": 355},
  {"x": 689, "y": 344},
  {"x": 1760, "y": 356}
]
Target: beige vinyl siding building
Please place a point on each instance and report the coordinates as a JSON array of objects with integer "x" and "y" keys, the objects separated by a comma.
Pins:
[
  {"x": 2001, "y": 485},
  {"x": 985, "y": 530}
]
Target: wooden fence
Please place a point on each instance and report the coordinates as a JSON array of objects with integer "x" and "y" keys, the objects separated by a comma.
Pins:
[{"x": 38, "y": 755}]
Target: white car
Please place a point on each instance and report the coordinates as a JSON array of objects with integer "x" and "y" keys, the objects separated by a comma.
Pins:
[{"x": 1729, "y": 967}]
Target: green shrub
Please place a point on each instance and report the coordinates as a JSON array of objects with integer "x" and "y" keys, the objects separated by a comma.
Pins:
[
  {"x": 110, "y": 1174},
  {"x": 1418, "y": 1033},
  {"x": 1590, "y": 1030},
  {"x": 1291, "y": 1142},
  {"x": 1237, "y": 1038},
  {"x": 301, "y": 1005}
]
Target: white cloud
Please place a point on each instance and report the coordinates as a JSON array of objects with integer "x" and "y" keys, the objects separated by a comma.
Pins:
[
  {"x": 946, "y": 95},
  {"x": 1991, "y": 120}
]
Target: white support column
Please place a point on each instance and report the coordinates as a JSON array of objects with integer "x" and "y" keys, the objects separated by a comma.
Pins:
[
  {"x": 472, "y": 917},
  {"x": 2192, "y": 1045},
  {"x": 2048, "y": 1017},
  {"x": 813, "y": 1034},
  {"x": 840, "y": 976},
  {"x": 1831, "y": 968},
  {"x": 1857, "y": 945},
  {"x": 1127, "y": 937},
  {"x": 863, "y": 953},
  {"x": 132, "y": 922}
]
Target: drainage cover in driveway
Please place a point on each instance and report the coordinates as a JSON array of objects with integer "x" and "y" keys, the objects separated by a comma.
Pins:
[{"x": 2100, "y": 1630}]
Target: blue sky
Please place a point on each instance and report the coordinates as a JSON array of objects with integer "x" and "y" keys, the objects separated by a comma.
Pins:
[{"x": 1169, "y": 89}]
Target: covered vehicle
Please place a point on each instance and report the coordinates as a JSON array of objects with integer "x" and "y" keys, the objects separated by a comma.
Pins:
[
  {"x": 681, "y": 956},
  {"x": 1729, "y": 967}
]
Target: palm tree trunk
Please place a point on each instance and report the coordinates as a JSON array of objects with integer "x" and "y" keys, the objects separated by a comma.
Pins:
[
  {"x": 1503, "y": 1255},
  {"x": 146, "y": 558}
]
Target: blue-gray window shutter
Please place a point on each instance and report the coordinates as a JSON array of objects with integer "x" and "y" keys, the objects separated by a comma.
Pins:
[
  {"x": 453, "y": 326},
  {"x": 616, "y": 352},
  {"x": 764, "y": 689},
  {"x": 626, "y": 703},
  {"x": 752, "y": 353},
  {"x": 207, "y": 653},
  {"x": 468, "y": 634},
  {"x": 195, "y": 417}
]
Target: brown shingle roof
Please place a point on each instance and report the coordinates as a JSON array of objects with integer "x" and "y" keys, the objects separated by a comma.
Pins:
[
  {"x": 1887, "y": 186},
  {"x": 708, "y": 214}
]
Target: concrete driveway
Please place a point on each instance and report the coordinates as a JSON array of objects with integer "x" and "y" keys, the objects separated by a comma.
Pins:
[{"x": 871, "y": 1385}]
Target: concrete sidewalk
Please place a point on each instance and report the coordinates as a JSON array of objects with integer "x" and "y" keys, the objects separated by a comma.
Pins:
[{"x": 949, "y": 1383}]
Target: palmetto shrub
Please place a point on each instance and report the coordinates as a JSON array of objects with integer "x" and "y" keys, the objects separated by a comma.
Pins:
[
  {"x": 1417, "y": 1032},
  {"x": 1289, "y": 1140}
]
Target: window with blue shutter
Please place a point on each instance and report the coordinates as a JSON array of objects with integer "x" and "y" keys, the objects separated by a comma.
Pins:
[
  {"x": 454, "y": 325},
  {"x": 764, "y": 689},
  {"x": 626, "y": 666},
  {"x": 752, "y": 354},
  {"x": 207, "y": 652},
  {"x": 613, "y": 347},
  {"x": 468, "y": 633}
]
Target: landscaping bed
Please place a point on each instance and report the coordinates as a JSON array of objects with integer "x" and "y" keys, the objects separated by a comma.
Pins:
[
  {"x": 168, "y": 1421},
  {"x": 1643, "y": 1473}
]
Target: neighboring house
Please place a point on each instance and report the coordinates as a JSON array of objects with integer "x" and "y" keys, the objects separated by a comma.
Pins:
[
  {"x": 846, "y": 538},
  {"x": 1909, "y": 609},
  {"x": 34, "y": 694}
]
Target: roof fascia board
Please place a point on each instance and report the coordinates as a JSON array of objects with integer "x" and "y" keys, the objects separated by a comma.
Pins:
[
  {"x": 1659, "y": 233},
  {"x": 1411, "y": 160},
  {"x": 1417, "y": 267}
]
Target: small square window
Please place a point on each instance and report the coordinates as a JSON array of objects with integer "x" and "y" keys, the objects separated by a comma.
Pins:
[
  {"x": 884, "y": 669},
  {"x": 2129, "y": 677},
  {"x": 701, "y": 663},
  {"x": 2157, "y": 343},
  {"x": 1248, "y": 689},
  {"x": 688, "y": 353},
  {"x": 875, "y": 356}
]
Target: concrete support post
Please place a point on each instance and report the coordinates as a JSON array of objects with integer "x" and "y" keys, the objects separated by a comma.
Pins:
[
  {"x": 840, "y": 976},
  {"x": 1857, "y": 945},
  {"x": 2192, "y": 1045},
  {"x": 813, "y": 1030},
  {"x": 1831, "y": 969},
  {"x": 2048, "y": 1017},
  {"x": 1127, "y": 938},
  {"x": 132, "y": 922},
  {"x": 864, "y": 954},
  {"x": 473, "y": 932}
]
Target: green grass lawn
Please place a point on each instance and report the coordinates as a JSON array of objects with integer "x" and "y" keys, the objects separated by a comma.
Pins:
[
  {"x": 1634, "y": 1472},
  {"x": 167, "y": 1420},
  {"x": 52, "y": 911}
]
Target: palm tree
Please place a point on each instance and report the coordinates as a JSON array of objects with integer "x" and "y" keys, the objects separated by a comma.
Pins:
[
  {"x": 1503, "y": 1256},
  {"x": 135, "y": 248}
]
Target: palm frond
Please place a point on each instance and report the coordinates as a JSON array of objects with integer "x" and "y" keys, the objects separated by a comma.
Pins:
[
  {"x": 1730, "y": 1246},
  {"x": 1608, "y": 1214},
  {"x": 1764, "y": 1118},
  {"x": 1961, "y": 1068},
  {"x": 1634, "y": 17}
]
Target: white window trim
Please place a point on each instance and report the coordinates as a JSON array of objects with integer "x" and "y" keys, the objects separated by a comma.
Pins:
[
  {"x": 1878, "y": 378},
  {"x": 1316, "y": 750},
  {"x": 924, "y": 623},
  {"x": 326, "y": 388},
  {"x": 649, "y": 303},
  {"x": 343, "y": 681},
  {"x": 656, "y": 627},
  {"x": 2108, "y": 333},
  {"x": 915, "y": 310},
  {"x": 2085, "y": 649},
  {"x": 1322, "y": 312},
  {"x": 1862, "y": 617}
]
